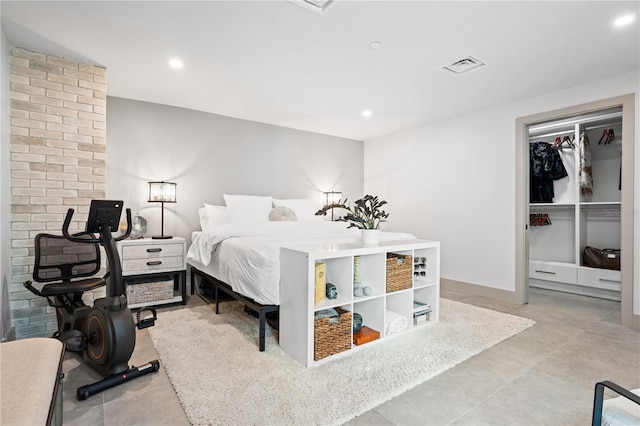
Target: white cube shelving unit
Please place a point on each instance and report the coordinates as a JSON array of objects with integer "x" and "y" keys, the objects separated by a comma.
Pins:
[{"x": 297, "y": 284}]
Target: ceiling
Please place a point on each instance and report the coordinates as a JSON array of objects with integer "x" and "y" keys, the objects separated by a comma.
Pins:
[{"x": 275, "y": 62}]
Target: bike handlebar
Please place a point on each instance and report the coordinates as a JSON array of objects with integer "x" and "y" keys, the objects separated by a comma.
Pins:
[
  {"x": 67, "y": 222},
  {"x": 128, "y": 231}
]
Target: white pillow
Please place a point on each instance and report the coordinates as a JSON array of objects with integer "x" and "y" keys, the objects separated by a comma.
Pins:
[
  {"x": 213, "y": 215},
  {"x": 216, "y": 215},
  {"x": 247, "y": 208},
  {"x": 304, "y": 208},
  {"x": 202, "y": 214}
]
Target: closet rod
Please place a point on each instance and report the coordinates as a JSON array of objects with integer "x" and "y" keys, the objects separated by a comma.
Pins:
[
  {"x": 570, "y": 122},
  {"x": 600, "y": 126},
  {"x": 546, "y": 135}
]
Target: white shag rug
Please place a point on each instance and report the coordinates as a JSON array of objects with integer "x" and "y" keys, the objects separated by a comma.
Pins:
[{"x": 221, "y": 378}]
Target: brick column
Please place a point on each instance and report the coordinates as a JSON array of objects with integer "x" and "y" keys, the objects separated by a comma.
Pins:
[{"x": 58, "y": 161}]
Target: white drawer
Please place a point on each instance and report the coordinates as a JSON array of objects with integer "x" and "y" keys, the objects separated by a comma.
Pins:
[
  {"x": 553, "y": 271},
  {"x": 600, "y": 278},
  {"x": 142, "y": 266},
  {"x": 148, "y": 251}
]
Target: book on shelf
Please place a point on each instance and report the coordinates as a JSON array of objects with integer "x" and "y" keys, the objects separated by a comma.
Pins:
[
  {"x": 320, "y": 281},
  {"x": 365, "y": 335}
]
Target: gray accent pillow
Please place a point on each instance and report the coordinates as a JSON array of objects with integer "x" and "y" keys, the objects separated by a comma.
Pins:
[{"x": 282, "y": 214}]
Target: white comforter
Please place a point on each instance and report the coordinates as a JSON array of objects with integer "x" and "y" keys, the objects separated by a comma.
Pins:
[{"x": 247, "y": 256}]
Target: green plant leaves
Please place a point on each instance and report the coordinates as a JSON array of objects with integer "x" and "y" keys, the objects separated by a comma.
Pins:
[{"x": 367, "y": 213}]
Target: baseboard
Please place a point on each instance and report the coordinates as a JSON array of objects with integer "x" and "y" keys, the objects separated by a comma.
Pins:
[
  {"x": 479, "y": 290},
  {"x": 9, "y": 335},
  {"x": 636, "y": 322}
]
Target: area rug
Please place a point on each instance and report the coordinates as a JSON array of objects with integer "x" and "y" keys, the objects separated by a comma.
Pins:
[{"x": 221, "y": 378}]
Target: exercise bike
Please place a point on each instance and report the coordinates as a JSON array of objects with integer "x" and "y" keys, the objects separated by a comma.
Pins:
[{"x": 105, "y": 333}]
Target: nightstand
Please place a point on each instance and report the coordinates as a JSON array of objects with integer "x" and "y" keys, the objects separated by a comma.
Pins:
[{"x": 154, "y": 271}]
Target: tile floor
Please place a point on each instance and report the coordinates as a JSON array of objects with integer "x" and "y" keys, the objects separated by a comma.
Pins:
[{"x": 542, "y": 376}]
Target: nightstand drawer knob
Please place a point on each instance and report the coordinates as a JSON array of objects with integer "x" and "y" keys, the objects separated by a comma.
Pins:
[
  {"x": 157, "y": 262},
  {"x": 154, "y": 250}
]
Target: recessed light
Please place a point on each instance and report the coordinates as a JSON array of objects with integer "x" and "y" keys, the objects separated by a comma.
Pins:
[
  {"x": 623, "y": 20},
  {"x": 375, "y": 45},
  {"x": 176, "y": 63},
  {"x": 366, "y": 113}
]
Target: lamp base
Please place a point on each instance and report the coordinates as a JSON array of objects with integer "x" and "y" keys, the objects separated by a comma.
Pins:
[{"x": 161, "y": 237}]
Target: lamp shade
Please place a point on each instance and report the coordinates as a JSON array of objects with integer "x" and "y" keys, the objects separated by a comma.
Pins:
[
  {"x": 162, "y": 192},
  {"x": 332, "y": 197}
]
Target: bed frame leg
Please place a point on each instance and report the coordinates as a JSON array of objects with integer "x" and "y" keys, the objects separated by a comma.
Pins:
[
  {"x": 217, "y": 296},
  {"x": 262, "y": 330}
]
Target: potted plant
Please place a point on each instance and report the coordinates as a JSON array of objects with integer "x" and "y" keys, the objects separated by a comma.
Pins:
[{"x": 366, "y": 214}]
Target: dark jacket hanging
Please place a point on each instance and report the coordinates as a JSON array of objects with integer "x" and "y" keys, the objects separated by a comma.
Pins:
[{"x": 545, "y": 166}]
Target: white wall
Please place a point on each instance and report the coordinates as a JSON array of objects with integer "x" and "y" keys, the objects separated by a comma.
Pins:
[
  {"x": 208, "y": 155},
  {"x": 5, "y": 187},
  {"x": 454, "y": 181}
]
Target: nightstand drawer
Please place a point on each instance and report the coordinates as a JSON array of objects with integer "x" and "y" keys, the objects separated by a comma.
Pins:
[
  {"x": 148, "y": 251},
  {"x": 141, "y": 266}
]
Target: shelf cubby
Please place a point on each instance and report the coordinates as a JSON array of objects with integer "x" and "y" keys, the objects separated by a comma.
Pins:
[{"x": 372, "y": 312}]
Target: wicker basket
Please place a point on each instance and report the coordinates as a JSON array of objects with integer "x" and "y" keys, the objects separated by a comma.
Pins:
[
  {"x": 143, "y": 291},
  {"x": 331, "y": 338},
  {"x": 399, "y": 272}
]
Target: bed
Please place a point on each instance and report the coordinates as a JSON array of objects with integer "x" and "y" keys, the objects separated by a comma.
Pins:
[{"x": 242, "y": 258}]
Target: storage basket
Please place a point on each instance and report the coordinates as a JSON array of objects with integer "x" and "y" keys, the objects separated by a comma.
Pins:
[
  {"x": 142, "y": 291},
  {"x": 399, "y": 272},
  {"x": 331, "y": 335}
]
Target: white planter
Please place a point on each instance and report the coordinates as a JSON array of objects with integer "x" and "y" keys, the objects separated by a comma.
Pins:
[{"x": 370, "y": 236}]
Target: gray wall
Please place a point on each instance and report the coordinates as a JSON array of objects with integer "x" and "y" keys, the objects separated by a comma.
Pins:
[{"x": 208, "y": 155}]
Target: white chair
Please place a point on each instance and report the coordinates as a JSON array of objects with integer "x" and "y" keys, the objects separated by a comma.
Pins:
[{"x": 619, "y": 411}]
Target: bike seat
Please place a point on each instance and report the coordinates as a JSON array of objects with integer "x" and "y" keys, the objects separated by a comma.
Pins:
[{"x": 79, "y": 286}]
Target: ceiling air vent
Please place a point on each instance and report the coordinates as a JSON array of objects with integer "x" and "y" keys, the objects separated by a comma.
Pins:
[
  {"x": 317, "y": 6},
  {"x": 463, "y": 65}
]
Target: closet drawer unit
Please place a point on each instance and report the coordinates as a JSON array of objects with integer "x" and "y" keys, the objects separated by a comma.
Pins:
[
  {"x": 148, "y": 251},
  {"x": 553, "y": 271},
  {"x": 600, "y": 278}
]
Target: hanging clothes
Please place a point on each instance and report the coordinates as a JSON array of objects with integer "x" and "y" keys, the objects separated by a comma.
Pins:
[
  {"x": 545, "y": 166},
  {"x": 585, "y": 178}
]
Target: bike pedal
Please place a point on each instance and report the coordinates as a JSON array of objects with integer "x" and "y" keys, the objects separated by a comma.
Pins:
[{"x": 146, "y": 322}]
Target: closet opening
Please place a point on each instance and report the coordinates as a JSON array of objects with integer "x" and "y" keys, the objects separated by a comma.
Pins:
[
  {"x": 575, "y": 176},
  {"x": 575, "y": 203}
]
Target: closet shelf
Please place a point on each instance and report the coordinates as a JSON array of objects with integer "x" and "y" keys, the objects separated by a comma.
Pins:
[
  {"x": 601, "y": 203},
  {"x": 547, "y": 205},
  {"x": 553, "y": 263}
]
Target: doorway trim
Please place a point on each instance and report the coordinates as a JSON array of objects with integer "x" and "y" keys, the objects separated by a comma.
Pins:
[{"x": 627, "y": 102}]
